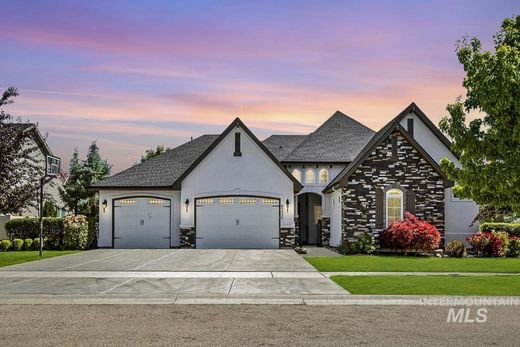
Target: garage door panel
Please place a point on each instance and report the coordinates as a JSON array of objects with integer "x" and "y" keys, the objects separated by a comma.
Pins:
[
  {"x": 142, "y": 223},
  {"x": 237, "y": 222}
]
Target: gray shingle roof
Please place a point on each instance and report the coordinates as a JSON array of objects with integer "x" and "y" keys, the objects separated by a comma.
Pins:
[
  {"x": 160, "y": 171},
  {"x": 339, "y": 139},
  {"x": 282, "y": 145}
]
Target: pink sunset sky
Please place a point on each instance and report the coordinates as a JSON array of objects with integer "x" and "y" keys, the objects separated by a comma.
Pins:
[{"x": 136, "y": 74}]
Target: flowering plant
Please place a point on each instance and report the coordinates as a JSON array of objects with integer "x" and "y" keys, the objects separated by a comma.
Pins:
[{"x": 411, "y": 233}]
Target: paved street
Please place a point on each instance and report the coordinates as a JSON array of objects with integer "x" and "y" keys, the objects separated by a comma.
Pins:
[{"x": 250, "y": 325}]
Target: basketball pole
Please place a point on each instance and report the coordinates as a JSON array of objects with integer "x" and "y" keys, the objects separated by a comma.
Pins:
[{"x": 42, "y": 182}]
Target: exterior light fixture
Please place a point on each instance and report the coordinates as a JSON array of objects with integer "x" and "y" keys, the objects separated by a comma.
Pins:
[
  {"x": 104, "y": 205},
  {"x": 287, "y": 204},
  {"x": 187, "y": 204}
]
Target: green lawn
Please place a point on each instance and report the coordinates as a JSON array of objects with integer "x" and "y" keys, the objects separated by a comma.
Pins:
[
  {"x": 409, "y": 263},
  {"x": 12, "y": 258},
  {"x": 430, "y": 285}
]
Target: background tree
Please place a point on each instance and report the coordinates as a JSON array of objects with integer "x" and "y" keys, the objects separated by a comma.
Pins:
[
  {"x": 20, "y": 168},
  {"x": 94, "y": 169},
  {"x": 488, "y": 146},
  {"x": 150, "y": 153},
  {"x": 82, "y": 174},
  {"x": 49, "y": 209},
  {"x": 74, "y": 192}
]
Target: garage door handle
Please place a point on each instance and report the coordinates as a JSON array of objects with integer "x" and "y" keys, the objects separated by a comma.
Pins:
[
  {"x": 276, "y": 238},
  {"x": 117, "y": 238}
]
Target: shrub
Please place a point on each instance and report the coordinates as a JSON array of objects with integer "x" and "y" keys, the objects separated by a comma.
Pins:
[
  {"x": 345, "y": 248},
  {"x": 36, "y": 243},
  {"x": 513, "y": 229},
  {"x": 411, "y": 234},
  {"x": 23, "y": 228},
  {"x": 75, "y": 232},
  {"x": 365, "y": 244},
  {"x": 28, "y": 244},
  {"x": 514, "y": 247},
  {"x": 5, "y": 245},
  {"x": 494, "y": 244},
  {"x": 455, "y": 249},
  {"x": 17, "y": 244}
]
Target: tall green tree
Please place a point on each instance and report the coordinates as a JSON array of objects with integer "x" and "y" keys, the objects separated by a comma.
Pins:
[
  {"x": 489, "y": 145},
  {"x": 95, "y": 169},
  {"x": 81, "y": 175},
  {"x": 74, "y": 192},
  {"x": 20, "y": 167},
  {"x": 150, "y": 153}
]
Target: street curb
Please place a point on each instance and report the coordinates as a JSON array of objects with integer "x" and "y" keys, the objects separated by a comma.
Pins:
[{"x": 260, "y": 299}]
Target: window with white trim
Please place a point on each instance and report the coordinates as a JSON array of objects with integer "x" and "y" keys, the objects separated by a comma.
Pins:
[
  {"x": 394, "y": 206},
  {"x": 297, "y": 174},
  {"x": 309, "y": 176},
  {"x": 324, "y": 175}
]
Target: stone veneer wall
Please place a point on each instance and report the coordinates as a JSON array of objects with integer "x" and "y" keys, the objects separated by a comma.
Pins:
[
  {"x": 287, "y": 238},
  {"x": 325, "y": 231},
  {"x": 296, "y": 231},
  {"x": 379, "y": 171},
  {"x": 187, "y": 237}
]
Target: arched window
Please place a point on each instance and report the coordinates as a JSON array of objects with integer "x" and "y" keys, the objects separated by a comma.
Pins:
[
  {"x": 394, "y": 205},
  {"x": 324, "y": 175},
  {"x": 309, "y": 176},
  {"x": 297, "y": 174}
]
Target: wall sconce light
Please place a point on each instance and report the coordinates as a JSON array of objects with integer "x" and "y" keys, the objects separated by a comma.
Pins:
[
  {"x": 104, "y": 205},
  {"x": 287, "y": 204},
  {"x": 187, "y": 204}
]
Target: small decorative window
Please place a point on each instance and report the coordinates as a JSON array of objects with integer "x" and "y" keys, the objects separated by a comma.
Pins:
[
  {"x": 205, "y": 201},
  {"x": 324, "y": 175},
  {"x": 297, "y": 174},
  {"x": 155, "y": 202},
  {"x": 127, "y": 202},
  {"x": 394, "y": 206},
  {"x": 267, "y": 201},
  {"x": 227, "y": 201},
  {"x": 247, "y": 201},
  {"x": 309, "y": 176}
]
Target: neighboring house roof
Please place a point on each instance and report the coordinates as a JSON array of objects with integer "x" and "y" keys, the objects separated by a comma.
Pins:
[
  {"x": 338, "y": 140},
  {"x": 161, "y": 171},
  {"x": 169, "y": 169},
  {"x": 36, "y": 135},
  {"x": 373, "y": 143},
  {"x": 282, "y": 145}
]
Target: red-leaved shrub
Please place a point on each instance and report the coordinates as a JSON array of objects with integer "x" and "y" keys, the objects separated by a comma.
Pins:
[
  {"x": 411, "y": 233},
  {"x": 491, "y": 244}
]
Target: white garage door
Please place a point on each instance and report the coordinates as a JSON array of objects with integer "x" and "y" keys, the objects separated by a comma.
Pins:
[
  {"x": 237, "y": 222},
  {"x": 142, "y": 222}
]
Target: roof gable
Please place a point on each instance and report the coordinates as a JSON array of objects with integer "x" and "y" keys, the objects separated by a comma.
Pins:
[
  {"x": 339, "y": 139},
  {"x": 378, "y": 138},
  {"x": 237, "y": 123}
]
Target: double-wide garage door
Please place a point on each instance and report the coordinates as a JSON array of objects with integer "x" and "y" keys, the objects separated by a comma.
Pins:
[
  {"x": 237, "y": 222},
  {"x": 142, "y": 222}
]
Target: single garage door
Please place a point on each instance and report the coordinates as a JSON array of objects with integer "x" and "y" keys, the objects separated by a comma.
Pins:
[
  {"x": 142, "y": 222},
  {"x": 237, "y": 222}
]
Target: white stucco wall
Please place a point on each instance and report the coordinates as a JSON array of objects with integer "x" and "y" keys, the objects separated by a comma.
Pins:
[
  {"x": 335, "y": 218},
  {"x": 317, "y": 187},
  {"x": 459, "y": 213},
  {"x": 253, "y": 173},
  {"x": 105, "y": 217}
]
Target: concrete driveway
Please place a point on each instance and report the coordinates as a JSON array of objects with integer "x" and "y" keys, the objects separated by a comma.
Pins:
[{"x": 191, "y": 274}]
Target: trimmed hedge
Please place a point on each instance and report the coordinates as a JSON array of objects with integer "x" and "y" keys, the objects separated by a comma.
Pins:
[
  {"x": 25, "y": 228},
  {"x": 512, "y": 229}
]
